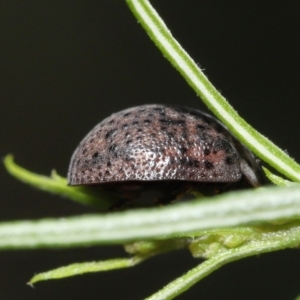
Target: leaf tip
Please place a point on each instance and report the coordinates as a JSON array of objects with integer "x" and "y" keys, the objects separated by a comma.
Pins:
[
  {"x": 8, "y": 160},
  {"x": 30, "y": 283}
]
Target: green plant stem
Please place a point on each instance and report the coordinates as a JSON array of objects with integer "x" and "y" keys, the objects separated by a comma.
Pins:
[
  {"x": 179, "y": 58},
  {"x": 226, "y": 210},
  {"x": 260, "y": 243}
]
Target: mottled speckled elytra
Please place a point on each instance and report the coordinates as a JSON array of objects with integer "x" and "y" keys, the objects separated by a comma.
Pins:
[{"x": 166, "y": 149}]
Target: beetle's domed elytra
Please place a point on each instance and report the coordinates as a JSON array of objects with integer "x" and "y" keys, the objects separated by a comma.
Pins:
[{"x": 158, "y": 142}]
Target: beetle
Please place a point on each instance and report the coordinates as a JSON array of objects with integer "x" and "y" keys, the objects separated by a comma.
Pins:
[{"x": 164, "y": 149}]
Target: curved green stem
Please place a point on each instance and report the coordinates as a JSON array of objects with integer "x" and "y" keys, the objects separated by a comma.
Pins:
[
  {"x": 179, "y": 58},
  {"x": 259, "y": 243}
]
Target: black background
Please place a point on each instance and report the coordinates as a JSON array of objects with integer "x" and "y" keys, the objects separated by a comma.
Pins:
[{"x": 65, "y": 65}]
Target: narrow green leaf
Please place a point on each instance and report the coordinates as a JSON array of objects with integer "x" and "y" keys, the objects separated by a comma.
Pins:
[
  {"x": 58, "y": 185},
  {"x": 87, "y": 267},
  {"x": 278, "y": 180},
  {"x": 180, "y": 59},
  {"x": 141, "y": 250}
]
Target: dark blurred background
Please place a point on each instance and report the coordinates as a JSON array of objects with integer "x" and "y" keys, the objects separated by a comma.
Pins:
[{"x": 65, "y": 65}]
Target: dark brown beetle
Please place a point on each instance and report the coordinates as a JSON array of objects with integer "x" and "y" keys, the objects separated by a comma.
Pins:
[{"x": 166, "y": 149}]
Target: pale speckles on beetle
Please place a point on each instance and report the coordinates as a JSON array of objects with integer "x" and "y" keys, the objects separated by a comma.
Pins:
[{"x": 173, "y": 149}]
